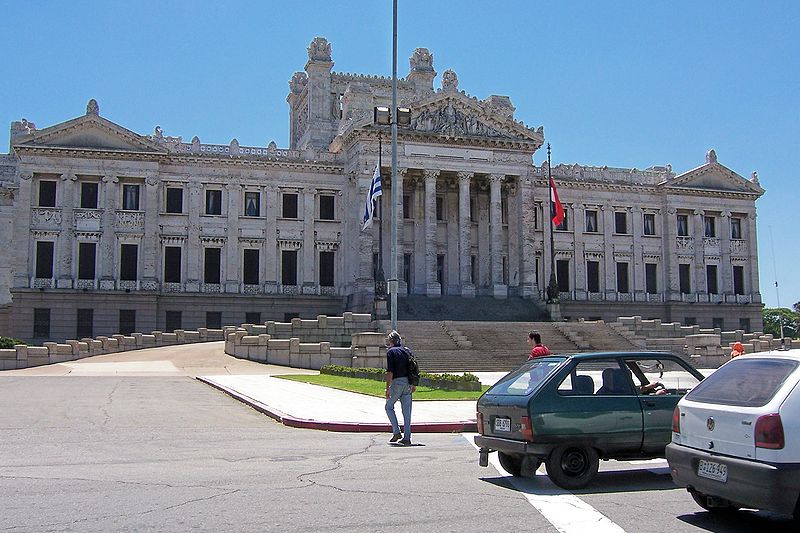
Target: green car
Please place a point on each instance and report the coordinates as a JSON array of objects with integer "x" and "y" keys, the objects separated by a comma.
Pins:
[{"x": 570, "y": 411}]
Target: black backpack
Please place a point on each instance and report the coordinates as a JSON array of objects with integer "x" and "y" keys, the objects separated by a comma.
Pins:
[{"x": 413, "y": 368}]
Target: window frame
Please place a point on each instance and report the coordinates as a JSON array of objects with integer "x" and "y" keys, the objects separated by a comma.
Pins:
[
  {"x": 127, "y": 198},
  {"x": 210, "y": 193},
  {"x": 168, "y": 202},
  {"x": 652, "y": 218},
  {"x": 594, "y": 218},
  {"x": 621, "y": 220},
  {"x": 39, "y": 200}
]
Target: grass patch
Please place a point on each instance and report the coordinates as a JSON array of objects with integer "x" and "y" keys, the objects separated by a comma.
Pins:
[{"x": 372, "y": 387}]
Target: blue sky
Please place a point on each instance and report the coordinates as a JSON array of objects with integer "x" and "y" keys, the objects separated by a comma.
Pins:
[{"x": 628, "y": 84}]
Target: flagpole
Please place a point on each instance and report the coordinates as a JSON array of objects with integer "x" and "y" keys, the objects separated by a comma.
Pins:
[
  {"x": 380, "y": 285},
  {"x": 552, "y": 286},
  {"x": 395, "y": 196}
]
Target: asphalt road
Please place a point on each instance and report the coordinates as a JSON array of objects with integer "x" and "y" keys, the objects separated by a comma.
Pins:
[{"x": 168, "y": 453}]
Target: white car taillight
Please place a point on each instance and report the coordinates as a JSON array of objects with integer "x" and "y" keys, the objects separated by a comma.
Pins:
[
  {"x": 769, "y": 432},
  {"x": 676, "y": 420}
]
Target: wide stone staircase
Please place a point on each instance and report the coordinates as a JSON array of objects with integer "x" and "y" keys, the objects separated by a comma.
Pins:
[{"x": 480, "y": 308}]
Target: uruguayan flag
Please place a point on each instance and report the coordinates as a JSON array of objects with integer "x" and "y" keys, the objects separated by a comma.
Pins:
[{"x": 372, "y": 195}]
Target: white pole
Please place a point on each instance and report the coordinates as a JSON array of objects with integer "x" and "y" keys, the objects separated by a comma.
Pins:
[{"x": 395, "y": 196}]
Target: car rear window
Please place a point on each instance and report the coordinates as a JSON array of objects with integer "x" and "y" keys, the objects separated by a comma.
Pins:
[
  {"x": 524, "y": 380},
  {"x": 744, "y": 382}
]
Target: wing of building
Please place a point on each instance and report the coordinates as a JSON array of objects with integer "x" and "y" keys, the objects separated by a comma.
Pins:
[{"x": 105, "y": 230}]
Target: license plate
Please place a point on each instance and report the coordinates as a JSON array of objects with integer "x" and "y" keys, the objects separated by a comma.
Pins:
[
  {"x": 502, "y": 424},
  {"x": 712, "y": 470}
]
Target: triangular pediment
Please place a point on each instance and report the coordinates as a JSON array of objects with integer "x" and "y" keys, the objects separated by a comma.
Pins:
[
  {"x": 454, "y": 114},
  {"x": 89, "y": 132},
  {"x": 714, "y": 177}
]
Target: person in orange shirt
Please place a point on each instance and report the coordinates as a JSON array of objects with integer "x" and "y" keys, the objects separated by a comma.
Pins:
[
  {"x": 737, "y": 350},
  {"x": 539, "y": 349}
]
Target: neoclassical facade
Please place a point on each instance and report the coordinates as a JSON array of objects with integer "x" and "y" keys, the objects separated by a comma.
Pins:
[{"x": 104, "y": 230}]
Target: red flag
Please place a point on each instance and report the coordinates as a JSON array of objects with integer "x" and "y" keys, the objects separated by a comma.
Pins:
[{"x": 556, "y": 209}]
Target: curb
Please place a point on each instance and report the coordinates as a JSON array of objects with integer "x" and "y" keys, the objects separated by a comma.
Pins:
[{"x": 345, "y": 427}]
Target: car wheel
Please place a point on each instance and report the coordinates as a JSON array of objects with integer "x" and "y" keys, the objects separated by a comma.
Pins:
[
  {"x": 510, "y": 463},
  {"x": 530, "y": 464},
  {"x": 702, "y": 500},
  {"x": 572, "y": 466}
]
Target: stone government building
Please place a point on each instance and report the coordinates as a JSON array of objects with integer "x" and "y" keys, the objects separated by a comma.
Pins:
[{"x": 103, "y": 230}]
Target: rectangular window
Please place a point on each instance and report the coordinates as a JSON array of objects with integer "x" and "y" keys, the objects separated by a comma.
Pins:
[
  {"x": 130, "y": 197},
  {"x": 440, "y": 208},
  {"x": 564, "y": 226},
  {"x": 173, "y": 321},
  {"x": 685, "y": 278},
  {"x": 473, "y": 269},
  {"x": 504, "y": 210},
  {"x": 250, "y": 267},
  {"x": 407, "y": 272},
  {"x": 649, "y": 224},
  {"x": 326, "y": 207},
  {"x": 289, "y": 267},
  {"x": 709, "y": 227},
  {"x": 252, "y": 317},
  {"x": 326, "y": 269},
  {"x": 591, "y": 221},
  {"x": 213, "y": 320},
  {"x": 440, "y": 271},
  {"x": 47, "y": 194},
  {"x": 85, "y": 321},
  {"x": 252, "y": 204},
  {"x": 620, "y": 222},
  {"x": 406, "y": 206},
  {"x": 41, "y": 323},
  {"x": 711, "y": 279},
  {"x": 213, "y": 202},
  {"x": 211, "y": 268},
  {"x": 593, "y": 276},
  {"x": 128, "y": 262},
  {"x": 289, "y": 200},
  {"x": 174, "y": 200},
  {"x": 562, "y": 275},
  {"x": 651, "y": 278},
  {"x": 127, "y": 321},
  {"x": 172, "y": 264},
  {"x": 87, "y": 252},
  {"x": 473, "y": 209},
  {"x": 89, "y": 192},
  {"x": 683, "y": 225},
  {"x": 738, "y": 280},
  {"x": 622, "y": 277},
  {"x": 736, "y": 228},
  {"x": 44, "y": 259}
]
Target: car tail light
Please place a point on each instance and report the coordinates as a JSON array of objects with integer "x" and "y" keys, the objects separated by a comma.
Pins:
[
  {"x": 480, "y": 422},
  {"x": 676, "y": 420},
  {"x": 769, "y": 432},
  {"x": 526, "y": 428}
]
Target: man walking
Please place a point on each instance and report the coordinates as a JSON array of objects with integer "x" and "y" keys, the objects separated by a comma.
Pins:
[
  {"x": 539, "y": 349},
  {"x": 398, "y": 387}
]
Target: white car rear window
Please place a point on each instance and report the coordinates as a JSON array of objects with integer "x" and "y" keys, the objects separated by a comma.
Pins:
[{"x": 744, "y": 382}]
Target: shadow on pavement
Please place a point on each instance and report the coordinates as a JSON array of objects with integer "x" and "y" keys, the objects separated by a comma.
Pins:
[{"x": 736, "y": 522}]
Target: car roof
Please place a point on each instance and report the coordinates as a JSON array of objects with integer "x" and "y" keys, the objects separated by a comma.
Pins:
[
  {"x": 793, "y": 355},
  {"x": 606, "y": 355}
]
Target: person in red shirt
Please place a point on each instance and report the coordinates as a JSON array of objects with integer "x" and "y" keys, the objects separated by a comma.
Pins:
[{"x": 539, "y": 349}]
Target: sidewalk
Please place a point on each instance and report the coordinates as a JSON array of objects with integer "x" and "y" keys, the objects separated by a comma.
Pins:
[{"x": 303, "y": 405}]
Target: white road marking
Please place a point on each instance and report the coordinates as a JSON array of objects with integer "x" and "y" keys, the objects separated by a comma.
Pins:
[{"x": 567, "y": 512}]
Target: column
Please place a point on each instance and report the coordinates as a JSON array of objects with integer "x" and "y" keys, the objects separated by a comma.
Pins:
[
  {"x": 513, "y": 220},
  {"x": 401, "y": 226},
  {"x": 305, "y": 257},
  {"x": 465, "y": 236},
  {"x": 63, "y": 266},
  {"x": 269, "y": 268},
  {"x": 578, "y": 226},
  {"x": 232, "y": 249},
  {"x": 669, "y": 249},
  {"x": 23, "y": 249},
  {"x": 699, "y": 270},
  {"x": 108, "y": 238},
  {"x": 151, "y": 245},
  {"x": 752, "y": 262},
  {"x": 432, "y": 286},
  {"x": 528, "y": 287},
  {"x": 499, "y": 290},
  {"x": 610, "y": 267},
  {"x": 419, "y": 277},
  {"x": 193, "y": 248},
  {"x": 637, "y": 282},
  {"x": 725, "y": 265}
]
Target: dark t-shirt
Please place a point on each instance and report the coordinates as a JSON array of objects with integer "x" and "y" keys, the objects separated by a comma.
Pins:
[{"x": 397, "y": 362}]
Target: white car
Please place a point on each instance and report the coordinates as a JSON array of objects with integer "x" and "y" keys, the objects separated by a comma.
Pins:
[{"x": 736, "y": 436}]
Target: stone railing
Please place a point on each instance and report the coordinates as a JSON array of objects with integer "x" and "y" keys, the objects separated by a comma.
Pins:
[
  {"x": 337, "y": 330},
  {"x": 23, "y": 356}
]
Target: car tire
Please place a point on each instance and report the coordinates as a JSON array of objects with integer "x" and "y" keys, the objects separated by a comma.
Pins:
[
  {"x": 701, "y": 499},
  {"x": 510, "y": 463},
  {"x": 572, "y": 466}
]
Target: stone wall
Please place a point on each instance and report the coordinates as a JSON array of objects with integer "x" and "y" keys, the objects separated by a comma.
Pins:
[
  {"x": 337, "y": 330},
  {"x": 5, "y": 318}
]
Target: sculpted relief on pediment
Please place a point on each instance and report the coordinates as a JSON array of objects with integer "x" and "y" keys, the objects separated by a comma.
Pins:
[{"x": 453, "y": 120}]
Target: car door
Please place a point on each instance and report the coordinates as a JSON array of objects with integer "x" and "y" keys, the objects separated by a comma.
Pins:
[
  {"x": 606, "y": 412},
  {"x": 657, "y": 408}
]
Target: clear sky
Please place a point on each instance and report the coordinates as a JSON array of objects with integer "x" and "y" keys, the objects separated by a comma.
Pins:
[{"x": 622, "y": 83}]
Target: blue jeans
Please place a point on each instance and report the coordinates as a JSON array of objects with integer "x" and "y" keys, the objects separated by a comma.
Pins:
[{"x": 400, "y": 390}]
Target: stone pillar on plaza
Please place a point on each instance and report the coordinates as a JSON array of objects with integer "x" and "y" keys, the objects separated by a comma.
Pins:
[
  {"x": 528, "y": 286},
  {"x": 432, "y": 286},
  {"x": 465, "y": 236},
  {"x": 233, "y": 191},
  {"x": 21, "y": 268},
  {"x": 193, "y": 247},
  {"x": 499, "y": 289},
  {"x": 402, "y": 287},
  {"x": 108, "y": 238},
  {"x": 305, "y": 258},
  {"x": 151, "y": 252},
  {"x": 63, "y": 270}
]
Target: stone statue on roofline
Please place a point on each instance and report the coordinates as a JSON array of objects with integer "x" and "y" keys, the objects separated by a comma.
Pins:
[
  {"x": 421, "y": 60},
  {"x": 449, "y": 81},
  {"x": 319, "y": 50}
]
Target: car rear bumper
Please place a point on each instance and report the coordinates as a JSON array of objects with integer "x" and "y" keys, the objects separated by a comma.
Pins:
[
  {"x": 750, "y": 483},
  {"x": 513, "y": 446}
]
